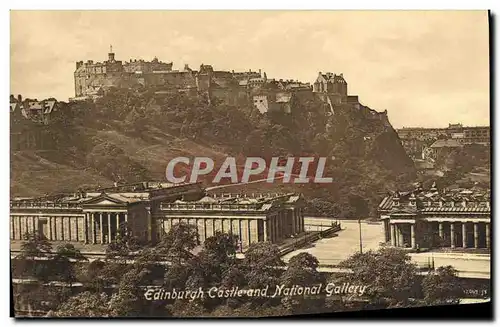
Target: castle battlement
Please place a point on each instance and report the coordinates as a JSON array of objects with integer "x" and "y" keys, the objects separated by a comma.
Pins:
[{"x": 92, "y": 77}]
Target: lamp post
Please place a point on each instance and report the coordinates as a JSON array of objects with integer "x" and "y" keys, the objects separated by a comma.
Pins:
[{"x": 360, "y": 238}]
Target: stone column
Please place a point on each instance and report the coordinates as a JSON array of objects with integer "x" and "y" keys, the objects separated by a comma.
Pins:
[
  {"x": 85, "y": 230},
  {"x": 76, "y": 228},
  {"x": 249, "y": 230},
  {"x": 69, "y": 228},
  {"x": 25, "y": 224},
  {"x": 487, "y": 235},
  {"x": 62, "y": 228},
  {"x": 476, "y": 235},
  {"x": 393, "y": 235},
  {"x": 302, "y": 214},
  {"x": 13, "y": 231},
  {"x": 19, "y": 232},
  {"x": 93, "y": 229},
  {"x": 452, "y": 234},
  {"x": 240, "y": 233},
  {"x": 49, "y": 219},
  {"x": 387, "y": 230},
  {"x": 401, "y": 240},
  {"x": 100, "y": 228},
  {"x": 275, "y": 228},
  {"x": 464, "y": 234},
  {"x": 109, "y": 226},
  {"x": 396, "y": 227},
  {"x": 413, "y": 237},
  {"x": 35, "y": 227},
  {"x": 266, "y": 238},
  {"x": 118, "y": 225}
]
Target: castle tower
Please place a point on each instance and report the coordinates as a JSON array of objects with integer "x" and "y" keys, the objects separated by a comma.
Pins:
[{"x": 111, "y": 54}]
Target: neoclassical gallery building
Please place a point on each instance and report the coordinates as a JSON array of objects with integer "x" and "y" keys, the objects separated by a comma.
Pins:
[
  {"x": 150, "y": 209},
  {"x": 458, "y": 218}
]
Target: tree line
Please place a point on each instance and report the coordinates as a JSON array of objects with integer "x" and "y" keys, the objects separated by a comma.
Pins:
[{"x": 115, "y": 286}]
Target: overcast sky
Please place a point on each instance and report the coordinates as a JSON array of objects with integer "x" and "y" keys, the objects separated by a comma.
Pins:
[{"x": 427, "y": 68}]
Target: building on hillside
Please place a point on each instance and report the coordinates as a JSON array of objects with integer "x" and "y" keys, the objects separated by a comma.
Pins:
[
  {"x": 39, "y": 111},
  {"x": 463, "y": 134},
  {"x": 440, "y": 147},
  {"x": 148, "y": 210},
  {"x": 90, "y": 77},
  {"x": 458, "y": 218},
  {"x": 477, "y": 135},
  {"x": 330, "y": 83},
  {"x": 273, "y": 101},
  {"x": 142, "y": 66}
]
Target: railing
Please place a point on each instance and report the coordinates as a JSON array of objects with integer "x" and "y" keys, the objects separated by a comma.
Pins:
[
  {"x": 308, "y": 238},
  {"x": 44, "y": 205},
  {"x": 203, "y": 206}
]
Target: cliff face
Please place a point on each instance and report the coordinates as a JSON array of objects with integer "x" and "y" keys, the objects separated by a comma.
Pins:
[{"x": 131, "y": 136}]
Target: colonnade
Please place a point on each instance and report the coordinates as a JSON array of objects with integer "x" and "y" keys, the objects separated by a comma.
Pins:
[
  {"x": 103, "y": 227},
  {"x": 57, "y": 227},
  {"x": 274, "y": 228},
  {"x": 451, "y": 234}
]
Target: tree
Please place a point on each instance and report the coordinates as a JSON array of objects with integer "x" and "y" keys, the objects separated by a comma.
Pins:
[
  {"x": 35, "y": 246},
  {"x": 388, "y": 274},
  {"x": 86, "y": 305},
  {"x": 63, "y": 267},
  {"x": 124, "y": 244},
  {"x": 441, "y": 286},
  {"x": 95, "y": 276},
  {"x": 177, "y": 245},
  {"x": 302, "y": 270},
  {"x": 129, "y": 300},
  {"x": 36, "y": 256},
  {"x": 263, "y": 267}
]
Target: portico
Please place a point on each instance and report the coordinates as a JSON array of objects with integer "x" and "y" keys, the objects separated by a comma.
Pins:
[
  {"x": 104, "y": 226},
  {"x": 418, "y": 219},
  {"x": 453, "y": 234}
]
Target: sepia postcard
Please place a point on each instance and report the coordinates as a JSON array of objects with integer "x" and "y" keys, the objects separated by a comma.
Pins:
[{"x": 249, "y": 163}]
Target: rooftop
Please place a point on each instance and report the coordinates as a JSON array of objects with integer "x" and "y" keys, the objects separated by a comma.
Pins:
[
  {"x": 259, "y": 202},
  {"x": 473, "y": 199},
  {"x": 128, "y": 193},
  {"x": 448, "y": 143}
]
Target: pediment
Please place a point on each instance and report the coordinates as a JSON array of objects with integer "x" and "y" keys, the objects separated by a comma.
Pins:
[{"x": 105, "y": 200}]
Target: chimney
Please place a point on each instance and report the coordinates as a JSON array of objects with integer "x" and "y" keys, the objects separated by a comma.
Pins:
[{"x": 395, "y": 199}]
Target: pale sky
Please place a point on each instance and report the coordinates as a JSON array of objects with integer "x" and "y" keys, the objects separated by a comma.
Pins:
[{"x": 427, "y": 68}]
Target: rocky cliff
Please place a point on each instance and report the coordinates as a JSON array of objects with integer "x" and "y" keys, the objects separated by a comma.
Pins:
[{"x": 129, "y": 135}]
